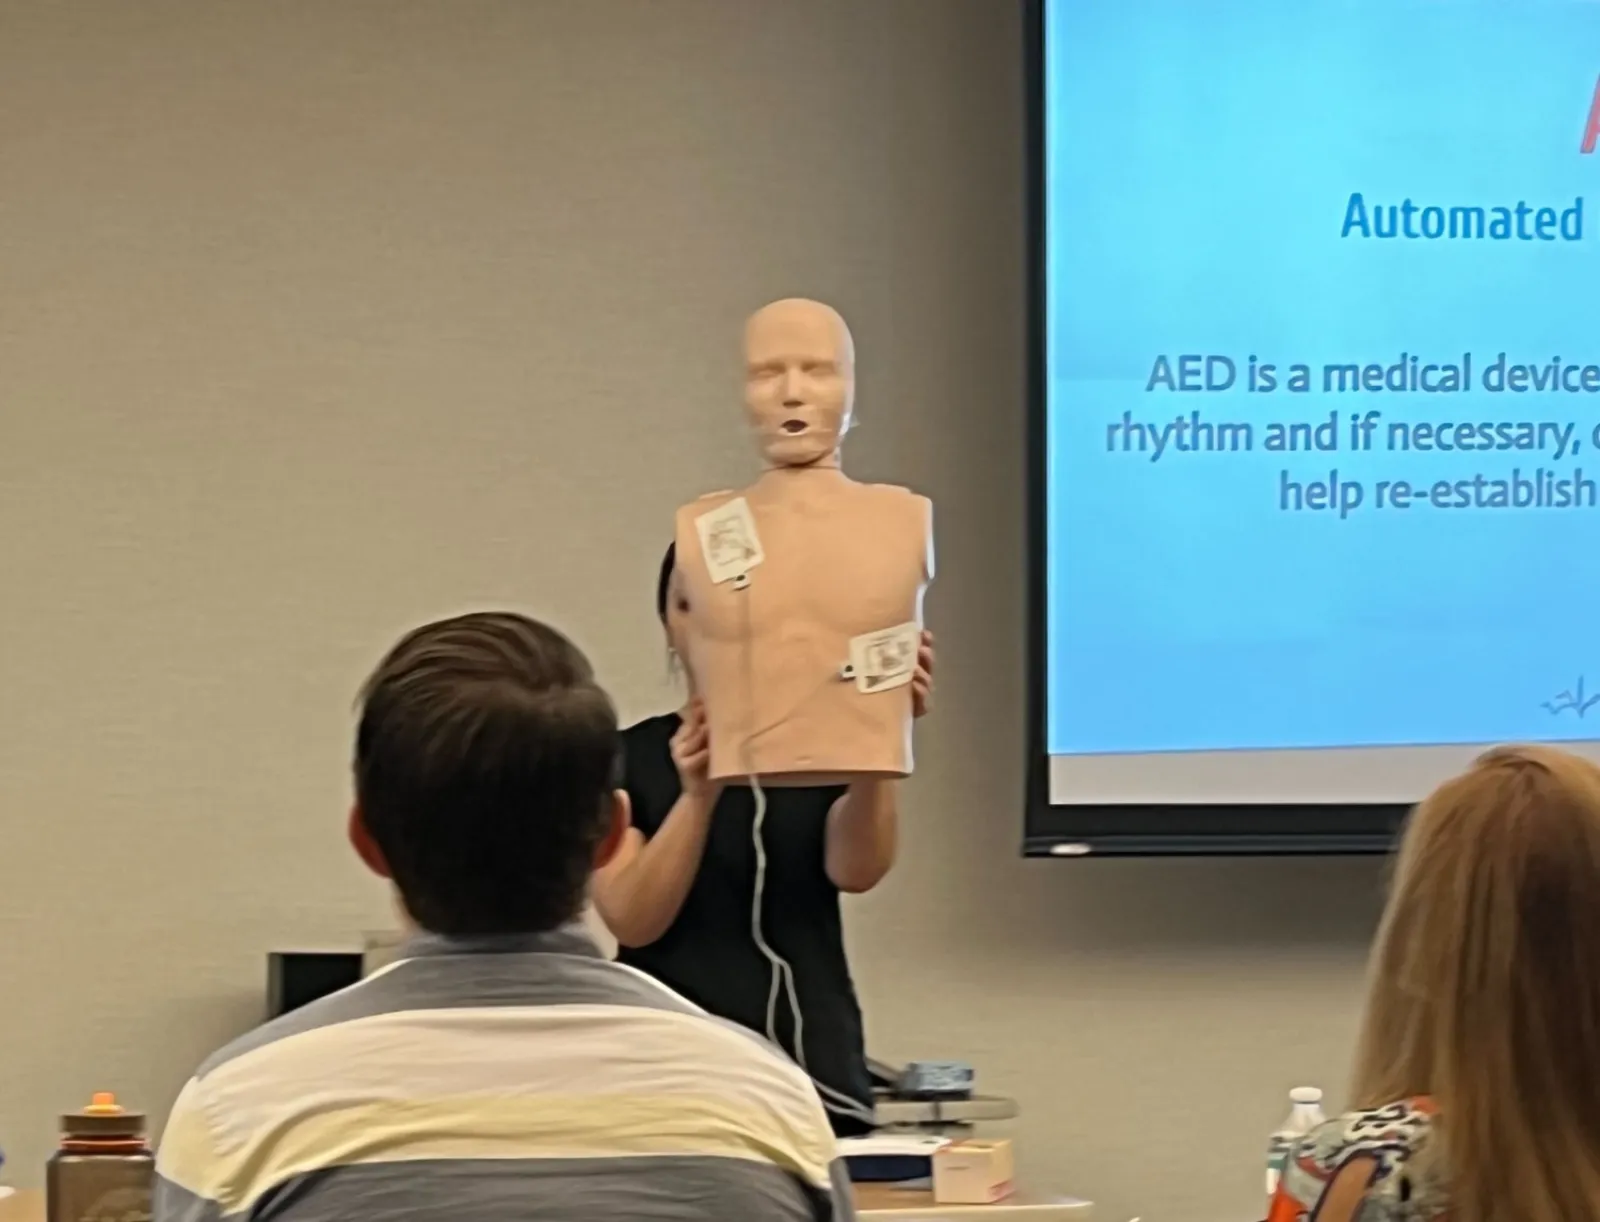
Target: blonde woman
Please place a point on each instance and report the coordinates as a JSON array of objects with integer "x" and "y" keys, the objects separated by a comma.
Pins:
[{"x": 1477, "y": 1080}]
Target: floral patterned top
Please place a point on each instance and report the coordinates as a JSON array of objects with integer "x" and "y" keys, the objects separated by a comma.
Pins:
[{"x": 1402, "y": 1189}]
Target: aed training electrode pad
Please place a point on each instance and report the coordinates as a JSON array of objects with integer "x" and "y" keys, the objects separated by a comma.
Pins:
[
  {"x": 886, "y": 659},
  {"x": 729, "y": 541}
]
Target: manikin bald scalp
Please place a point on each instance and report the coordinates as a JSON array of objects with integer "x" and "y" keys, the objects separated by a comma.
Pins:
[{"x": 847, "y": 343}]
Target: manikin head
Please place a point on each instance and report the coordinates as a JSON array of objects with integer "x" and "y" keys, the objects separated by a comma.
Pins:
[{"x": 800, "y": 382}]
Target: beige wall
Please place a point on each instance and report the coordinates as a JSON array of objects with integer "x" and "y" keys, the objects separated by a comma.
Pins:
[{"x": 319, "y": 317}]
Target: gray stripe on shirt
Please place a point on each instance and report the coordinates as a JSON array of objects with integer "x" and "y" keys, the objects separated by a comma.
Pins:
[
  {"x": 175, "y": 1203},
  {"x": 663, "y": 1189},
  {"x": 559, "y": 968}
]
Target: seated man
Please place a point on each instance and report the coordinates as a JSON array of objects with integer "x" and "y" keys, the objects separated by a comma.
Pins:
[{"x": 501, "y": 1069}]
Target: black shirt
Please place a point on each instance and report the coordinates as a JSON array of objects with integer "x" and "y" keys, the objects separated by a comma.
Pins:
[{"x": 709, "y": 954}]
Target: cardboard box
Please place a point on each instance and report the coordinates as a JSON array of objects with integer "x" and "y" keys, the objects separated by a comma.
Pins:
[{"x": 973, "y": 1172}]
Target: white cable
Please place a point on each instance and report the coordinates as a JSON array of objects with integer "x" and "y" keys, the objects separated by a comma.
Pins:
[{"x": 781, "y": 980}]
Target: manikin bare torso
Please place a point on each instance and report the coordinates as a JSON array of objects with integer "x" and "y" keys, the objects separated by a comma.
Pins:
[{"x": 804, "y": 590}]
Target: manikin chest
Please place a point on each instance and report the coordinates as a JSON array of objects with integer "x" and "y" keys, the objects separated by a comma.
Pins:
[
  {"x": 815, "y": 568},
  {"x": 803, "y": 612}
]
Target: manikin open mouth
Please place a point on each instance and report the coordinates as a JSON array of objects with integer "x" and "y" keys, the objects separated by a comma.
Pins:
[{"x": 793, "y": 427}]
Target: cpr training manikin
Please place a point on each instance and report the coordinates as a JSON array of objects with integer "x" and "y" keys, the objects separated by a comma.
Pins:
[{"x": 805, "y": 589}]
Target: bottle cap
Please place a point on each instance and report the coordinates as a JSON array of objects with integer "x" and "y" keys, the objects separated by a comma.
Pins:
[
  {"x": 104, "y": 1117},
  {"x": 1306, "y": 1094}
]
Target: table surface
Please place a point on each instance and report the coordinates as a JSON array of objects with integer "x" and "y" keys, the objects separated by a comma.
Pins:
[
  {"x": 923, "y": 1112},
  {"x": 872, "y": 1201},
  {"x": 916, "y": 1205}
]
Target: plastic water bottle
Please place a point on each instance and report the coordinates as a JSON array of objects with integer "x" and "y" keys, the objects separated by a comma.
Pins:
[
  {"x": 104, "y": 1170},
  {"x": 1305, "y": 1114}
]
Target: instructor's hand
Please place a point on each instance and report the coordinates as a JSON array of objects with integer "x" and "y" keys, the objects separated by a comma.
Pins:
[
  {"x": 922, "y": 677},
  {"x": 691, "y": 754}
]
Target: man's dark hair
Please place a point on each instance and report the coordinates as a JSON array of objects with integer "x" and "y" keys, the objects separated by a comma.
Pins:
[
  {"x": 664, "y": 580},
  {"x": 484, "y": 760}
]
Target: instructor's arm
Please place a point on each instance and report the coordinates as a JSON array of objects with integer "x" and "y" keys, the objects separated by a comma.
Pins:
[
  {"x": 864, "y": 825},
  {"x": 640, "y": 891}
]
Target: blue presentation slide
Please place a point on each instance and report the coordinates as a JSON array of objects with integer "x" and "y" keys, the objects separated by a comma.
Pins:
[{"x": 1323, "y": 373}]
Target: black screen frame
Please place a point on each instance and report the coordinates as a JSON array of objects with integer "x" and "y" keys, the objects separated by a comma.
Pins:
[{"x": 1079, "y": 830}]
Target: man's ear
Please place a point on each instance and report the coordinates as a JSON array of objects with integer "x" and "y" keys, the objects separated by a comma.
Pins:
[
  {"x": 365, "y": 846},
  {"x": 621, "y": 821}
]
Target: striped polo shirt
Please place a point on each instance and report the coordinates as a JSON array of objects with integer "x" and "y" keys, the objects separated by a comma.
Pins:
[{"x": 502, "y": 1079}]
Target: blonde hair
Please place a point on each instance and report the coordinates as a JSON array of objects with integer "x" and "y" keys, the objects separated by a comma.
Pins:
[{"x": 1485, "y": 985}]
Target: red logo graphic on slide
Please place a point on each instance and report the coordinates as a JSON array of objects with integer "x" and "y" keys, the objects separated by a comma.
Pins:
[{"x": 1591, "y": 129}]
